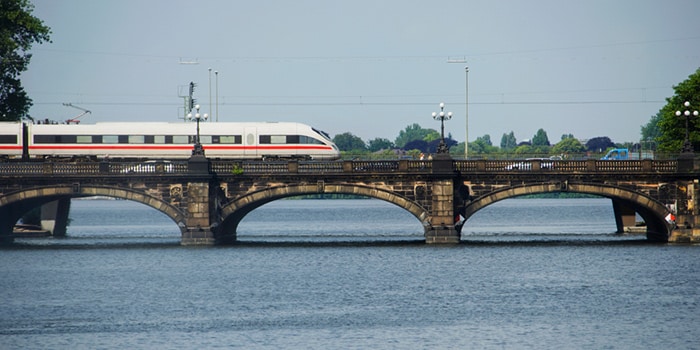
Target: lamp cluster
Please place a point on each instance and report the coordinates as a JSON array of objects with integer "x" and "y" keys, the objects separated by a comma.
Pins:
[
  {"x": 687, "y": 146},
  {"x": 198, "y": 149},
  {"x": 442, "y": 116}
]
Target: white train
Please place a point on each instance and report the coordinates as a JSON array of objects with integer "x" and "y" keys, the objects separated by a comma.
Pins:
[{"x": 165, "y": 140}]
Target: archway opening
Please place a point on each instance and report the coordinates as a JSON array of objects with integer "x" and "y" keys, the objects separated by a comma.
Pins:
[
  {"x": 101, "y": 220},
  {"x": 553, "y": 216},
  {"x": 329, "y": 218}
]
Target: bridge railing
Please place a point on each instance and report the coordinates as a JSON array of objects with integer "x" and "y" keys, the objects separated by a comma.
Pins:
[{"x": 224, "y": 167}]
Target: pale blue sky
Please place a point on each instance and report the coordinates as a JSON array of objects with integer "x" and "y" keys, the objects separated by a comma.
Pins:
[{"x": 370, "y": 67}]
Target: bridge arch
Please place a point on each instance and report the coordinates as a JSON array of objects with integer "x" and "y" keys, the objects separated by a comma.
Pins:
[
  {"x": 233, "y": 212},
  {"x": 14, "y": 205},
  {"x": 652, "y": 211}
]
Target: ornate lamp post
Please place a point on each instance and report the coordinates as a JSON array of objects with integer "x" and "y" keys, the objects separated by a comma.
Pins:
[
  {"x": 442, "y": 148},
  {"x": 687, "y": 146},
  {"x": 198, "y": 149}
]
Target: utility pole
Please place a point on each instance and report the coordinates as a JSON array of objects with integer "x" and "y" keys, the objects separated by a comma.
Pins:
[{"x": 466, "y": 103}]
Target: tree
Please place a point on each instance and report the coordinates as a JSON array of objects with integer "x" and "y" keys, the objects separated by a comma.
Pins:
[
  {"x": 509, "y": 142},
  {"x": 482, "y": 145},
  {"x": 540, "y": 138},
  {"x": 599, "y": 144},
  {"x": 18, "y": 31},
  {"x": 347, "y": 142},
  {"x": 413, "y": 132},
  {"x": 416, "y": 144},
  {"x": 671, "y": 127},
  {"x": 568, "y": 145},
  {"x": 651, "y": 130},
  {"x": 379, "y": 144}
]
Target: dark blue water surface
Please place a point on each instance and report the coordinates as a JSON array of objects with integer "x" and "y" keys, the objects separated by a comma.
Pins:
[{"x": 352, "y": 274}]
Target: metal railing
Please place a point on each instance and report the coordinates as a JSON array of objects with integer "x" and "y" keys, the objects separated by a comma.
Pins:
[{"x": 238, "y": 167}]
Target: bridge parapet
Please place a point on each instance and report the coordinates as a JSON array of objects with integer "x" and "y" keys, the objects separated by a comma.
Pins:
[{"x": 224, "y": 167}]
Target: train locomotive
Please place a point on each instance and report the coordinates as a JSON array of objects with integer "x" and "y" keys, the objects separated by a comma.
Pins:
[{"x": 154, "y": 140}]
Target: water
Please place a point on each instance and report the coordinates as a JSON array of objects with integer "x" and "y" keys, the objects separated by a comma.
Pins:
[{"x": 351, "y": 274}]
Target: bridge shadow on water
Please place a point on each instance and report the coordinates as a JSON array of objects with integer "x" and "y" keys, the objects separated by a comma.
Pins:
[{"x": 471, "y": 242}]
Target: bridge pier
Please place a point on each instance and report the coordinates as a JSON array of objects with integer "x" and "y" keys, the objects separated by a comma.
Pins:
[
  {"x": 441, "y": 227},
  {"x": 197, "y": 229},
  {"x": 54, "y": 217},
  {"x": 687, "y": 228},
  {"x": 624, "y": 216}
]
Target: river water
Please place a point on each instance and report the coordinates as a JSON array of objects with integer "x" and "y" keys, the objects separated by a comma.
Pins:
[{"x": 351, "y": 274}]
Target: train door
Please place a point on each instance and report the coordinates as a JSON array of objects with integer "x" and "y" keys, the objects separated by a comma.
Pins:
[{"x": 250, "y": 142}]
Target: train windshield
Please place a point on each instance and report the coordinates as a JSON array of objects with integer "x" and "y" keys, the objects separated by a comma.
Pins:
[{"x": 322, "y": 133}]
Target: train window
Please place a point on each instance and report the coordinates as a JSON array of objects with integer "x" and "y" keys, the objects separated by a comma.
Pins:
[
  {"x": 8, "y": 138},
  {"x": 234, "y": 139},
  {"x": 96, "y": 138},
  {"x": 264, "y": 139},
  {"x": 205, "y": 138},
  {"x": 180, "y": 139},
  {"x": 292, "y": 139},
  {"x": 309, "y": 140},
  {"x": 66, "y": 138},
  {"x": 159, "y": 139},
  {"x": 55, "y": 138},
  {"x": 136, "y": 139},
  {"x": 83, "y": 138},
  {"x": 123, "y": 139},
  {"x": 110, "y": 139},
  {"x": 168, "y": 139},
  {"x": 148, "y": 139}
]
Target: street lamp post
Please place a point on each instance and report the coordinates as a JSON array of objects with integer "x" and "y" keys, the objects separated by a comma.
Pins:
[
  {"x": 198, "y": 149},
  {"x": 687, "y": 146},
  {"x": 442, "y": 148}
]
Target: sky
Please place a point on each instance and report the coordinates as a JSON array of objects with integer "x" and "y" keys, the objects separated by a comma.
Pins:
[{"x": 370, "y": 67}]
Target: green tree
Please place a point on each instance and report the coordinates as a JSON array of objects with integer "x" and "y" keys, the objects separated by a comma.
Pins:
[
  {"x": 508, "y": 141},
  {"x": 348, "y": 142},
  {"x": 482, "y": 145},
  {"x": 568, "y": 145},
  {"x": 651, "y": 130},
  {"x": 18, "y": 31},
  {"x": 411, "y": 133},
  {"x": 379, "y": 144},
  {"x": 671, "y": 127},
  {"x": 540, "y": 138}
]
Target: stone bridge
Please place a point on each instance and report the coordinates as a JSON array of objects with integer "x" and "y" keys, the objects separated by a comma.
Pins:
[{"x": 208, "y": 198}]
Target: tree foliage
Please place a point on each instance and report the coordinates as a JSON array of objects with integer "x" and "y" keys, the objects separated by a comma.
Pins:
[
  {"x": 671, "y": 127},
  {"x": 420, "y": 145},
  {"x": 414, "y": 132},
  {"x": 540, "y": 138},
  {"x": 379, "y": 144},
  {"x": 599, "y": 144},
  {"x": 19, "y": 30},
  {"x": 348, "y": 142},
  {"x": 508, "y": 141},
  {"x": 568, "y": 145}
]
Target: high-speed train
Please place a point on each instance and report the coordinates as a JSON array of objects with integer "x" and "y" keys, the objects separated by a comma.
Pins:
[{"x": 165, "y": 140}]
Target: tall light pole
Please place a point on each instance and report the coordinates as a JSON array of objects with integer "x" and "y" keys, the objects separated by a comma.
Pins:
[
  {"x": 198, "y": 149},
  {"x": 466, "y": 103},
  {"x": 687, "y": 146},
  {"x": 442, "y": 148},
  {"x": 209, "y": 89},
  {"x": 216, "y": 76}
]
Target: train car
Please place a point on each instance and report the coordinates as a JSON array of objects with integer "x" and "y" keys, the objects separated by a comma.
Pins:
[
  {"x": 175, "y": 140},
  {"x": 11, "y": 139}
]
